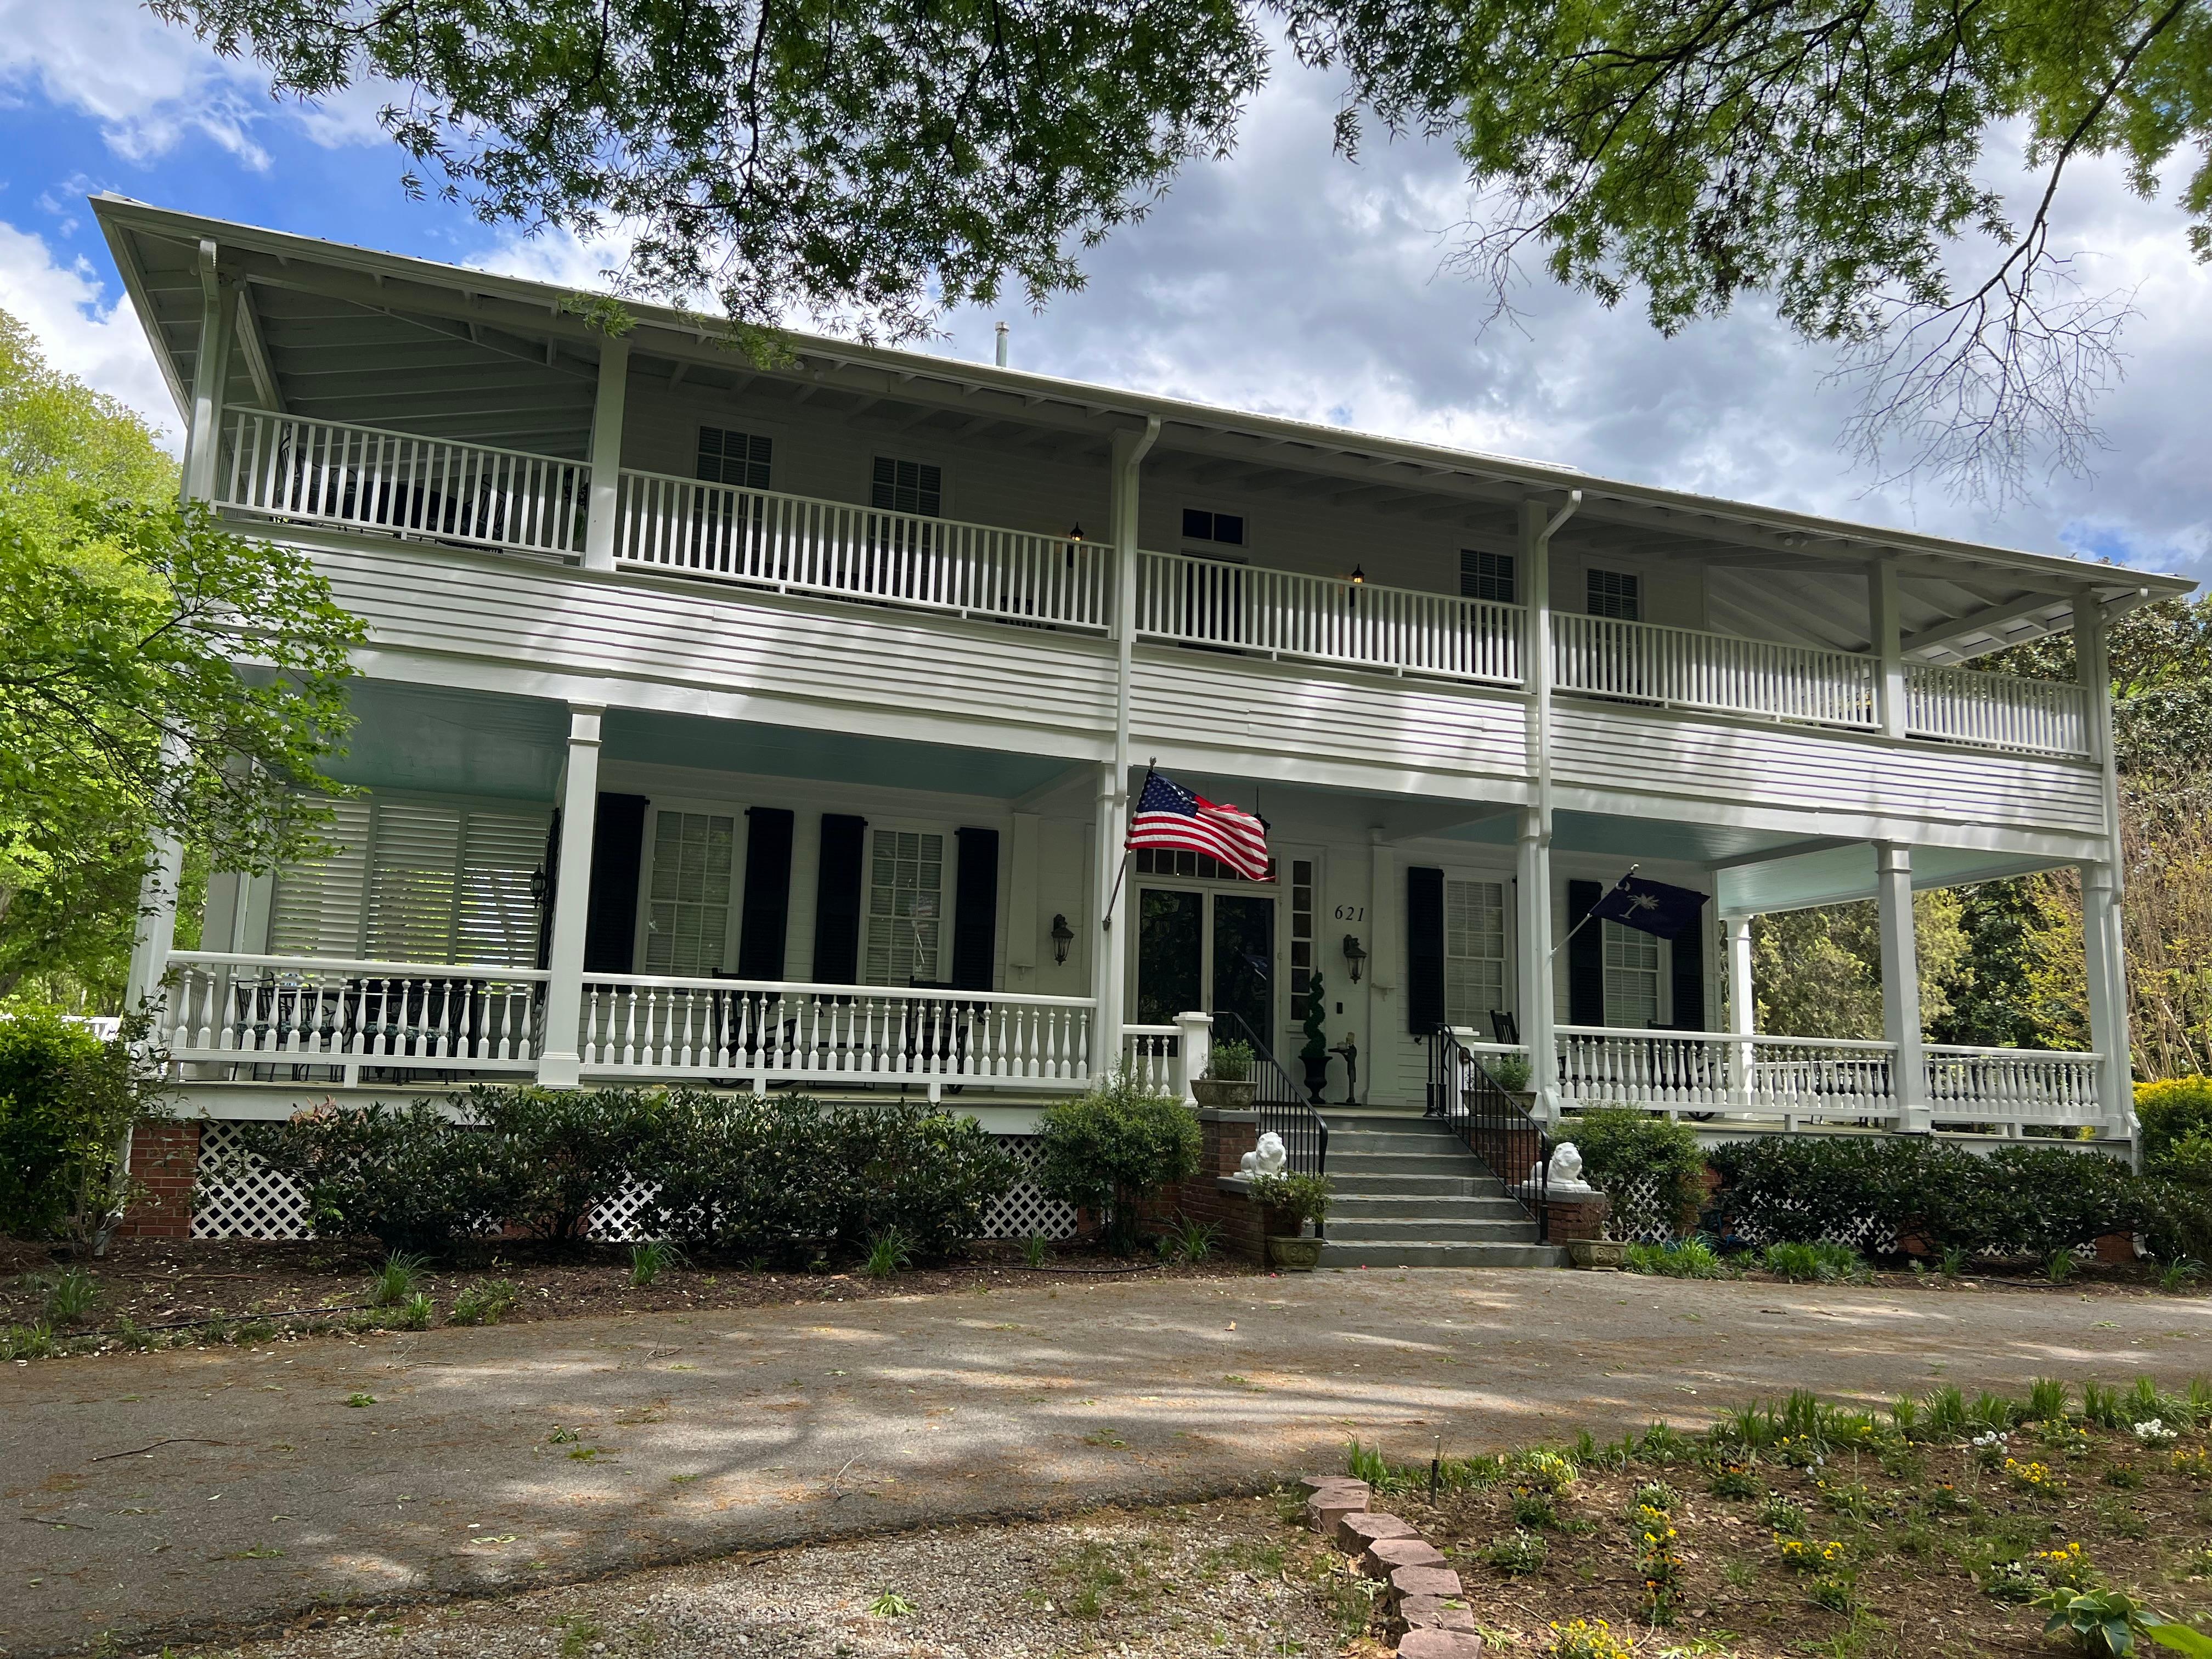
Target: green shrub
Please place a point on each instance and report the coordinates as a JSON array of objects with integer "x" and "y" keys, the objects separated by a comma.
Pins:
[
  {"x": 2175, "y": 1110},
  {"x": 1230, "y": 1063},
  {"x": 67, "y": 1104},
  {"x": 411, "y": 1177},
  {"x": 1115, "y": 1147},
  {"x": 1303, "y": 1197},
  {"x": 1619, "y": 1146},
  {"x": 741, "y": 1174},
  {"x": 1821, "y": 1262},
  {"x": 923, "y": 1173},
  {"x": 1688, "y": 1258},
  {"x": 561, "y": 1154}
]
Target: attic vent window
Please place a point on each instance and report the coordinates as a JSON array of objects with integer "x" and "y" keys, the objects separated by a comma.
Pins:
[
  {"x": 1226, "y": 529},
  {"x": 1487, "y": 576},
  {"x": 1615, "y": 594},
  {"x": 906, "y": 487},
  {"x": 733, "y": 458}
]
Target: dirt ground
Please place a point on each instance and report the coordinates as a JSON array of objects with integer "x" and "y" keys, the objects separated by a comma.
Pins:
[
  {"x": 165, "y": 1285},
  {"x": 1233, "y": 1577}
]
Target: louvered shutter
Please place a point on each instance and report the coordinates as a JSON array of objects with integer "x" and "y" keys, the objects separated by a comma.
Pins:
[
  {"x": 610, "y": 918},
  {"x": 414, "y": 879},
  {"x": 1424, "y": 950},
  {"x": 838, "y": 884},
  {"x": 1687, "y": 971},
  {"x": 1585, "y": 958},
  {"x": 976, "y": 910},
  {"x": 767, "y": 916},
  {"x": 498, "y": 920},
  {"x": 317, "y": 908}
]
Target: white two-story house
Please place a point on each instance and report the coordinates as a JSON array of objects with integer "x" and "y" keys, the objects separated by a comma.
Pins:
[{"x": 776, "y": 726}]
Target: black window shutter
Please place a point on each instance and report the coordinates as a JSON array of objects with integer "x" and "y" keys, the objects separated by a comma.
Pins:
[
  {"x": 976, "y": 910},
  {"x": 551, "y": 866},
  {"x": 768, "y": 893},
  {"x": 618, "y": 849},
  {"x": 1585, "y": 958},
  {"x": 837, "y": 900},
  {"x": 1424, "y": 950},
  {"x": 1688, "y": 965}
]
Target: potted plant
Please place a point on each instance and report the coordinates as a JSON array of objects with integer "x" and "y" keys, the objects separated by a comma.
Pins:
[
  {"x": 1305, "y": 1198},
  {"x": 1511, "y": 1072},
  {"x": 1228, "y": 1083},
  {"x": 1314, "y": 1051}
]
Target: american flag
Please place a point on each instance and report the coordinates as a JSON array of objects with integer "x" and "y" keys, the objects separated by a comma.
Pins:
[{"x": 1169, "y": 815}]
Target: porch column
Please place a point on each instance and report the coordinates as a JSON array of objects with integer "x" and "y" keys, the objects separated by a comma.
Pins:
[
  {"x": 558, "y": 1063},
  {"x": 156, "y": 933},
  {"x": 606, "y": 455},
  {"x": 1887, "y": 626},
  {"x": 1532, "y": 912},
  {"x": 1900, "y": 986},
  {"x": 2107, "y": 987},
  {"x": 1743, "y": 1007},
  {"x": 204, "y": 435},
  {"x": 1109, "y": 959},
  {"x": 2103, "y": 885}
]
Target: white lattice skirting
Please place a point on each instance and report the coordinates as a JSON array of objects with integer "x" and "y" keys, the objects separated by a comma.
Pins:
[{"x": 260, "y": 1203}]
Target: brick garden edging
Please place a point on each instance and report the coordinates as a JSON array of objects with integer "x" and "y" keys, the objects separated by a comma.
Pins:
[{"x": 1425, "y": 1594}]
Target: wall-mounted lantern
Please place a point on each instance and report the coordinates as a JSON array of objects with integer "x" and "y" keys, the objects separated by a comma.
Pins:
[
  {"x": 1353, "y": 956},
  {"x": 1062, "y": 937}
]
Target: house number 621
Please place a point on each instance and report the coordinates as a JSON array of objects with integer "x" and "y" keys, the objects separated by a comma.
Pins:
[{"x": 1352, "y": 913}]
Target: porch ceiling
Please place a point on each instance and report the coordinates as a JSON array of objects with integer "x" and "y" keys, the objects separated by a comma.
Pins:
[
  {"x": 452, "y": 742},
  {"x": 1842, "y": 875}
]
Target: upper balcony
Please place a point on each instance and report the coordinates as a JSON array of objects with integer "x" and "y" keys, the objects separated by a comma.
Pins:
[{"x": 443, "y": 491}]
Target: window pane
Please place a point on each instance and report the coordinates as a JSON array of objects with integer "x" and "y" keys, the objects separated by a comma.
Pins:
[
  {"x": 1196, "y": 524},
  {"x": 688, "y": 914},
  {"x": 1475, "y": 951},
  {"x": 1632, "y": 977},
  {"x": 1484, "y": 575},
  {"x": 906, "y": 881},
  {"x": 733, "y": 458},
  {"x": 1614, "y": 593}
]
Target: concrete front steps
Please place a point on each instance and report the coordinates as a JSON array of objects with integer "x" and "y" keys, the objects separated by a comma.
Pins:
[{"x": 1410, "y": 1194}]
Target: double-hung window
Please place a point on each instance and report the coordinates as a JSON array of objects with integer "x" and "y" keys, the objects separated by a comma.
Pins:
[
  {"x": 687, "y": 919},
  {"x": 733, "y": 458},
  {"x": 906, "y": 907},
  {"x": 1486, "y": 575},
  {"x": 1474, "y": 951},
  {"x": 1632, "y": 977},
  {"x": 1615, "y": 595},
  {"x": 898, "y": 486}
]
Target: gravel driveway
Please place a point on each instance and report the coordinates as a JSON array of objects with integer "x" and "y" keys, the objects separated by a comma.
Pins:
[{"x": 228, "y": 1490}]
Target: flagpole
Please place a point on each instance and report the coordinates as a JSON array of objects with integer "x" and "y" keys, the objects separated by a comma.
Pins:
[{"x": 1122, "y": 868}]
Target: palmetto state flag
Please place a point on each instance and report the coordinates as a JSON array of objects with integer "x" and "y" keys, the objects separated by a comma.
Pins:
[
  {"x": 1169, "y": 815},
  {"x": 1649, "y": 907}
]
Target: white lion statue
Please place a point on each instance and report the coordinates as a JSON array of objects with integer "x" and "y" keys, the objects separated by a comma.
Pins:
[
  {"x": 1566, "y": 1170},
  {"x": 1268, "y": 1158}
]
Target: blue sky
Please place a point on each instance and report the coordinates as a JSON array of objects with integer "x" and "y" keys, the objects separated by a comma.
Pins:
[{"x": 1284, "y": 280}]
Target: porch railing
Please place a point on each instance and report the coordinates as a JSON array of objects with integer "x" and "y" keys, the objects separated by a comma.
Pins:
[
  {"x": 1684, "y": 668},
  {"x": 350, "y": 1013},
  {"x": 1491, "y": 1123},
  {"x": 368, "y": 478},
  {"x": 762, "y": 538},
  {"x": 1152, "y": 1056},
  {"x": 1281, "y": 613},
  {"x": 1281, "y": 1103},
  {"x": 2015, "y": 1087},
  {"x": 1997, "y": 711},
  {"x": 760, "y": 1031}
]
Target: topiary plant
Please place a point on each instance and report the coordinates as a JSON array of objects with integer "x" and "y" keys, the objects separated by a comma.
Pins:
[{"x": 1317, "y": 1021}]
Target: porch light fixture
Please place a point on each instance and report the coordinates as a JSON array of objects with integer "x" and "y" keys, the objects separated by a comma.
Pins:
[
  {"x": 1076, "y": 534},
  {"x": 539, "y": 884},
  {"x": 1353, "y": 956},
  {"x": 1359, "y": 574},
  {"x": 1062, "y": 937}
]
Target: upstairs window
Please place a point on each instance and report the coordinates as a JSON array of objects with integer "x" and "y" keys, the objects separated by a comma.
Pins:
[
  {"x": 1615, "y": 594},
  {"x": 733, "y": 458},
  {"x": 1487, "y": 576},
  {"x": 1222, "y": 529},
  {"x": 906, "y": 487}
]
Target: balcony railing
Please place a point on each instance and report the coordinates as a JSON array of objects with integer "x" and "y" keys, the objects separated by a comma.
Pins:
[
  {"x": 764, "y": 539},
  {"x": 1280, "y": 613},
  {"x": 1682, "y": 668},
  {"x": 761, "y": 1031},
  {"x": 1997, "y": 711},
  {"x": 351, "y": 1014},
  {"x": 364, "y": 478}
]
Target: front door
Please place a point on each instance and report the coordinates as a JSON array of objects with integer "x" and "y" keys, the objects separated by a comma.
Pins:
[{"x": 1205, "y": 951}]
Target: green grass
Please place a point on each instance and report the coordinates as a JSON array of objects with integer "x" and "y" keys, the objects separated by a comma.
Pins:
[
  {"x": 1688, "y": 1258},
  {"x": 1820, "y": 1262}
]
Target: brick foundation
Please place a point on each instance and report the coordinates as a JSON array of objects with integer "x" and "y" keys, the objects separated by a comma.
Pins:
[
  {"x": 1568, "y": 1220},
  {"x": 165, "y": 1163}
]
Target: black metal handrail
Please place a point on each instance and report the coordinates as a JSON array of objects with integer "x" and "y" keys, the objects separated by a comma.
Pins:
[
  {"x": 1281, "y": 1103},
  {"x": 1491, "y": 1122}
]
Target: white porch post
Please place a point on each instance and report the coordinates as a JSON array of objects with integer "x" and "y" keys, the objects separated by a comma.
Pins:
[
  {"x": 1110, "y": 975},
  {"x": 1743, "y": 1007},
  {"x": 1900, "y": 986},
  {"x": 156, "y": 933},
  {"x": 1532, "y": 916},
  {"x": 606, "y": 455},
  {"x": 204, "y": 435},
  {"x": 2104, "y": 884},
  {"x": 559, "y": 1064},
  {"x": 1890, "y": 701},
  {"x": 1194, "y": 1038},
  {"x": 1108, "y": 962}
]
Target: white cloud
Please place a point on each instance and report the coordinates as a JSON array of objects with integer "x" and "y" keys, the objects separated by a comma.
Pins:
[
  {"x": 150, "y": 84},
  {"x": 81, "y": 330}
]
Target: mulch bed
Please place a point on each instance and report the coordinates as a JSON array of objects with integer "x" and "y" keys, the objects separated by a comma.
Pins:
[
  {"x": 163, "y": 1282},
  {"x": 1918, "y": 1530}
]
